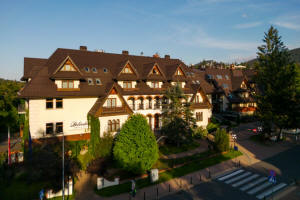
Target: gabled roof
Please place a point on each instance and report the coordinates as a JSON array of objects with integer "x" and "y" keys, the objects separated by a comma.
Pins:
[{"x": 32, "y": 66}]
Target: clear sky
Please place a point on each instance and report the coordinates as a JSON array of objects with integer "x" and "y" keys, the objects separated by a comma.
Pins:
[{"x": 192, "y": 30}]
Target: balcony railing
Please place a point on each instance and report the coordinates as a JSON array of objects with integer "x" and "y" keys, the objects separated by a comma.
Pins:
[
  {"x": 141, "y": 106},
  {"x": 157, "y": 106},
  {"x": 114, "y": 109},
  {"x": 149, "y": 106}
]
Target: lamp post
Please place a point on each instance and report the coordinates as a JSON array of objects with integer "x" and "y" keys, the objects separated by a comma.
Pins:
[{"x": 63, "y": 166}]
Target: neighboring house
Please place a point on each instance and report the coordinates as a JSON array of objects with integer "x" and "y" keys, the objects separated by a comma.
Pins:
[
  {"x": 62, "y": 90},
  {"x": 232, "y": 89}
]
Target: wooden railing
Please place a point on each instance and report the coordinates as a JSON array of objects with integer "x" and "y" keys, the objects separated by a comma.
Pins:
[{"x": 114, "y": 109}]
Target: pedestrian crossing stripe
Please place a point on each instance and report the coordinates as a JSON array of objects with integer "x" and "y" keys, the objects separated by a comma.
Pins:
[
  {"x": 251, "y": 183},
  {"x": 230, "y": 175}
]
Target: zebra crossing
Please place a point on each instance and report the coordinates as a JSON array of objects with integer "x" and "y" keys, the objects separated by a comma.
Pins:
[{"x": 251, "y": 183}]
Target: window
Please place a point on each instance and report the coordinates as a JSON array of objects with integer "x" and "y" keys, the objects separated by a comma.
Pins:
[
  {"x": 111, "y": 102},
  {"x": 49, "y": 103},
  {"x": 219, "y": 76},
  {"x": 94, "y": 69},
  {"x": 67, "y": 84},
  {"x": 59, "y": 103},
  {"x": 227, "y": 77},
  {"x": 155, "y": 84},
  {"x": 98, "y": 81},
  {"x": 127, "y": 84},
  {"x": 225, "y": 86},
  {"x": 49, "y": 128},
  {"x": 59, "y": 127},
  {"x": 154, "y": 71},
  {"x": 210, "y": 76},
  {"x": 87, "y": 69},
  {"x": 178, "y": 72},
  {"x": 113, "y": 125},
  {"x": 197, "y": 99},
  {"x": 127, "y": 70},
  {"x": 105, "y": 70},
  {"x": 68, "y": 67},
  {"x": 179, "y": 84},
  {"x": 199, "y": 116},
  {"x": 90, "y": 81}
]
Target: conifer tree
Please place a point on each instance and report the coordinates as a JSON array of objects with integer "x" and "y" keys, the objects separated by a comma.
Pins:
[{"x": 277, "y": 83}]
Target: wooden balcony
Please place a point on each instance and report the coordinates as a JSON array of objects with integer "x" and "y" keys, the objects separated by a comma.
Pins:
[{"x": 107, "y": 110}]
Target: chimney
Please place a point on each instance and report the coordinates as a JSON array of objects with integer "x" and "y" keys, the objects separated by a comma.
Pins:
[
  {"x": 167, "y": 56},
  {"x": 156, "y": 55},
  {"x": 83, "y": 48},
  {"x": 124, "y": 52}
]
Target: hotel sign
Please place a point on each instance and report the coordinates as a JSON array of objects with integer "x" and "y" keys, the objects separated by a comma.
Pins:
[{"x": 79, "y": 125}]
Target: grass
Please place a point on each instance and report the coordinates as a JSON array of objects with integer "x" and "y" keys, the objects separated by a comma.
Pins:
[
  {"x": 168, "y": 149},
  {"x": 193, "y": 166}
]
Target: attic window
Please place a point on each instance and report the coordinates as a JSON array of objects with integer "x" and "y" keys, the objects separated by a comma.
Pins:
[
  {"x": 219, "y": 76},
  {"x": 105, "y": 70},
  {"x": 87, "y": 69},
  {"x": 98, "y": 81},
  {"x": 90, "y": 81},
  {"x": 179, "y": 72},
  {"x": 209, "y": 76},
  {"x": 225, "y": 86},
  {"x": 94, "y": 70},
  {"x": 68, "y": 67}
]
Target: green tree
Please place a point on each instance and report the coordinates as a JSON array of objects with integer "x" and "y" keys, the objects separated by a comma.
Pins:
[
  {"x": 276, "y": 79},
  {"x": 135, "y": 148},
  {"x": 221, "y": 143},
  {"x": 9, "y": 102},
  {"x": 178, "y": 119}
]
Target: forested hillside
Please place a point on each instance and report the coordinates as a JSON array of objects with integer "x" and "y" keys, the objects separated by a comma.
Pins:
[
  {"x": 295, "y": 55},
  {"x": 9, "y": 102}
]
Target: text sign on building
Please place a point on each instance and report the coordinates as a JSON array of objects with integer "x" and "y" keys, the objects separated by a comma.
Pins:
[{"x": 79, "y": 125}]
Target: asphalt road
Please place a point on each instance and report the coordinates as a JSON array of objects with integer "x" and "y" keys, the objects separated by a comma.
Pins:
[{"x": 288, "y": 162}]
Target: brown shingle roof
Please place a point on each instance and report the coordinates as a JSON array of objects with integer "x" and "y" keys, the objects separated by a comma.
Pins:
[{"x": 32, "y": 66}]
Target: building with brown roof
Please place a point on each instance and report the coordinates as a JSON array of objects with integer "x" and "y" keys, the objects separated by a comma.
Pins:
[
  {"x": 63, "y": 89},
  {"x": 232, "y": 89}
]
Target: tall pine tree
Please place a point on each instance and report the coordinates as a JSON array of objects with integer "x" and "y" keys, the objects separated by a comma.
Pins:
[{"x": 277, "y": 83}]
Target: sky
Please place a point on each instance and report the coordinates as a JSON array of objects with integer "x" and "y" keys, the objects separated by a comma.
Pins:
[{"x": 191, "y": 30}]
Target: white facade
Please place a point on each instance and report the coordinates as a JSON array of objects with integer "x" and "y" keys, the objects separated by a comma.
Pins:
[
  {"x": 207, "y": 113},
  {"x": 73, "y": 114}
]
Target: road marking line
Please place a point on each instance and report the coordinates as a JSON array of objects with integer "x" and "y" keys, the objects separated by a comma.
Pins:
[
  {"x": 245, "y": 180},
  {"x": 271, "y": 190},
  {"x": 259, "y": 188},
  {"x": 238, "y": 177},
  {"x": 230, "y": 175},
  {"x": 250, "y": 185}
]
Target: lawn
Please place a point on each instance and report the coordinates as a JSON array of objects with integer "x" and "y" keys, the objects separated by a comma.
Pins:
[
  {"x": 190, "y": 167},
  {"x": 168, "y": 149}
]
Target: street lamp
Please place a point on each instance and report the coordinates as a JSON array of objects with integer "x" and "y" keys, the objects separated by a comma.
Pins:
[{"x": 234, "y": 137}]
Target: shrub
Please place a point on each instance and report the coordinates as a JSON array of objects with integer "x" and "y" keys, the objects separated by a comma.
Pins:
[
  {"x": 221, "y": 143},
  {"x": 211, "y": 127},
  {"x": 135, "y": 148},
  {"x": 200, "y": 133}
]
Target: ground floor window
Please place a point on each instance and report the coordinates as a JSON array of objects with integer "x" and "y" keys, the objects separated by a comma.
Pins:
[
  {"x": 49, "y": 128},
  {"x": 59, "y": 127},
  {"x": 199, "y": 116},
  {"x": 113, "y": 125}
]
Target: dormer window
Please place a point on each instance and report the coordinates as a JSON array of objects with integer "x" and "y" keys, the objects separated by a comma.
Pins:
[
  {"x": 178, "y": 72},
  {"x": 154, "y": 84},
  {"x": 67, "y": 84},
  {"x": 87, "y": 69},
  {"x": 98, "y": 81},
  {"x": 154, "y": 71},
  {"x": 94, "y": 69},
  {"x": 105, "y": 70},
  {"x": 225, "y": 86},
  {"x": 127, "y": 69},
  {"x": 127, "y": 84},
  {"x": 90, "y": 81}
]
